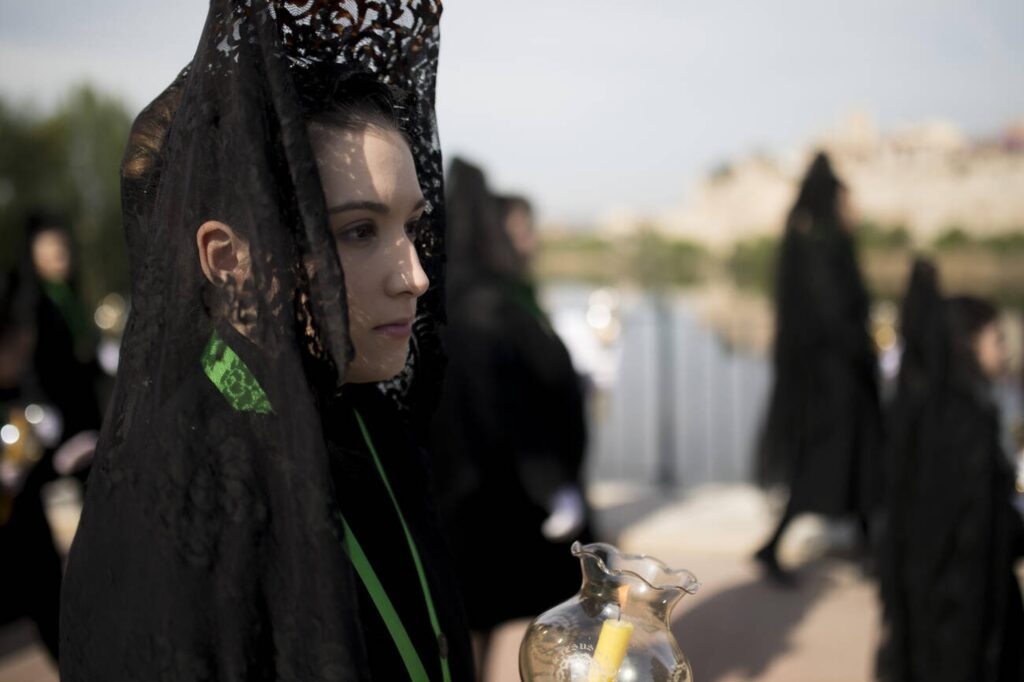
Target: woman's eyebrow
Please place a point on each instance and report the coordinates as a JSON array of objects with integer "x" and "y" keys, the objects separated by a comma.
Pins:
[
  {"x": 363, "y": 205},
  {"x": 374, "y": 206}
]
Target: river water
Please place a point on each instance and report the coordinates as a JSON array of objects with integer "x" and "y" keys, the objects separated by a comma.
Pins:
[{"x": 677, "y": 396}]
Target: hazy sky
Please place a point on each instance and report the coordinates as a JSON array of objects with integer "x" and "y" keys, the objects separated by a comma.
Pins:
[{"x": 594, "y": 105}]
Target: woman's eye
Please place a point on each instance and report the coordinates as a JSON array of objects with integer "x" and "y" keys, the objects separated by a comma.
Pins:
[
  {"x": 358, "y": 233},
  {"x": 412, "y": 228}
]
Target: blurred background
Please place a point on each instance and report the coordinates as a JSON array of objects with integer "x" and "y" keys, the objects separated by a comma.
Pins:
[{"x": 661, "y": 145}]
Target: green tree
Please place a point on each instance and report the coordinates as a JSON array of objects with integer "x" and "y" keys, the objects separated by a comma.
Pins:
[
  {"x": 660, "y": 260},
  {"x": 752, "y": 262},
  {"x": 1006, "y": 242},
  {"x": 953, "y": 238},
  {"x": 872, "y": 235}
]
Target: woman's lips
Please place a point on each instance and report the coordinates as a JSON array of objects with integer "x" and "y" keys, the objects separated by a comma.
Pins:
[{"x": 399, "y": 329}]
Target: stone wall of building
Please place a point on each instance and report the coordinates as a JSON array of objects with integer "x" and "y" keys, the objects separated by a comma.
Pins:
[{"x": 927, "y": 179}]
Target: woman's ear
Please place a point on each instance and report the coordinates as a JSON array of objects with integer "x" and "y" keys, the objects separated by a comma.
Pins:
[{"x": 223, "y": 255}]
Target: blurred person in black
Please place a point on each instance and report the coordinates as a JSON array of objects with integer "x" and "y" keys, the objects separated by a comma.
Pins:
[
  {"x": 952, "y": 608},
  {"x": 30, "y": 568},
  {"x": 822, "y": 433},
  {"x": 48, "y": 396},
  {"x": 509, "y": 436},
  {"x": 64, "y": 360}
]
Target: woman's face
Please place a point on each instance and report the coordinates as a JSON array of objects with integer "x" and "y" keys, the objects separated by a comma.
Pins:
[
  {"x": 990, "y": 349},
  {"x": 51, "y": 255},
  {"x": 520, "y": 228},
  {"x": 374, "y": 203}
]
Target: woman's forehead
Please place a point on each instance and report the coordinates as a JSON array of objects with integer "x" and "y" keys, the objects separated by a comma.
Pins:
[{"x": 365, "y": 164}]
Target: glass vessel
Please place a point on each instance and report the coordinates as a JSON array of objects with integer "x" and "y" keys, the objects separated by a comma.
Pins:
[{"x": 616, "y": 628}]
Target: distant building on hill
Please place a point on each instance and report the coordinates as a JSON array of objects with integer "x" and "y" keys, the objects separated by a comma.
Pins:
[{"x": 927, "y": 178}]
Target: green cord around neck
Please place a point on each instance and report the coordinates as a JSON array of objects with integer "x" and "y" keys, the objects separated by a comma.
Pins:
[{"x": 432, "y": 612}]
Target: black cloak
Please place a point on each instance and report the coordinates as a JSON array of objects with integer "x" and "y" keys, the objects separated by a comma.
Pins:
[
  {"x": 951, "y": 602},
  {"x": 510, "y": 429},
  {"x": 822, "y": 433}
]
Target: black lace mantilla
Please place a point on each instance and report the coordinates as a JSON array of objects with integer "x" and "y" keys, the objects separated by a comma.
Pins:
[{"x": 192, "y": 502}]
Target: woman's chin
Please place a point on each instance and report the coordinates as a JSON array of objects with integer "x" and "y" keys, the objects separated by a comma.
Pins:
[{"x": 363, "y": 372}]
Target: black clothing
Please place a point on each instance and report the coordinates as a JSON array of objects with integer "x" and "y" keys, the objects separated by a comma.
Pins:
[
  {"x": 509, "y": 433},
  {"x": 510, "y": 428},
  {"x": 52, "y": 376},
  {"x": 30, "y": 571},
  {"x": 822, "y": 433},
  {"x": 215, "y": 565},
  {"x": 951, "y": 602},
  {"x": 257, "y": 633},
  {"x": 366, "y": 505},
  {"x": 218, "y": 540},
  {"x": 65, "y": 371},
  {"x": 66, "y": 379}
]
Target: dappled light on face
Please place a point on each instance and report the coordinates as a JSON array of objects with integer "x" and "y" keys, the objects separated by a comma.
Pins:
[{"x": 373, "y": 195}]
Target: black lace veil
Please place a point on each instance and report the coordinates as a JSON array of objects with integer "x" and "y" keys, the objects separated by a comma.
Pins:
[{"x": 211, "y": 474}]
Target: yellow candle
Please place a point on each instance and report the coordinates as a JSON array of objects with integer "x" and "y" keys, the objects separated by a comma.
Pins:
[{"x": 611, "y": 649}]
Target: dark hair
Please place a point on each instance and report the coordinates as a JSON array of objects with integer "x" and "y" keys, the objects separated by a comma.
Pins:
[
  {"x": 966, "y": 317},
  {"x": 327, "y": 100},
  {"x": 43, "y": 220},
  {"x": 511, "y": 202},
  {"x": 353, "y": 102}
]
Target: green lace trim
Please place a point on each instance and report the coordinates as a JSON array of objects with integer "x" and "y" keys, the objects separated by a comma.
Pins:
[{"x": 233, "y": 379}]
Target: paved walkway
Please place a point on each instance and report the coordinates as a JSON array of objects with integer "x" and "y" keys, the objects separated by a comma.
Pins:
[{"x": 738, "y": 627}]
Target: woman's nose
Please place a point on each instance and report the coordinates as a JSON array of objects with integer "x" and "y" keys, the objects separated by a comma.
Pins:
[{"x": 407, "y": 275}]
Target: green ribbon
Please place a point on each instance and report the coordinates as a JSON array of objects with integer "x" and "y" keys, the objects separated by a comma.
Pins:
[
  {"x": 233, "y": 378},
  {"x": 387, "y": 610},
  {"x": 362, "y": 564}
]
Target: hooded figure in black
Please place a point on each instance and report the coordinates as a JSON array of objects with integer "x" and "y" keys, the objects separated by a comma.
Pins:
[
  {"x": 951, "y": 602},
  {"x": 509, "y": 435},
  {"x": 257, "y": 508},
  {"x": 822, "y": 432}
]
